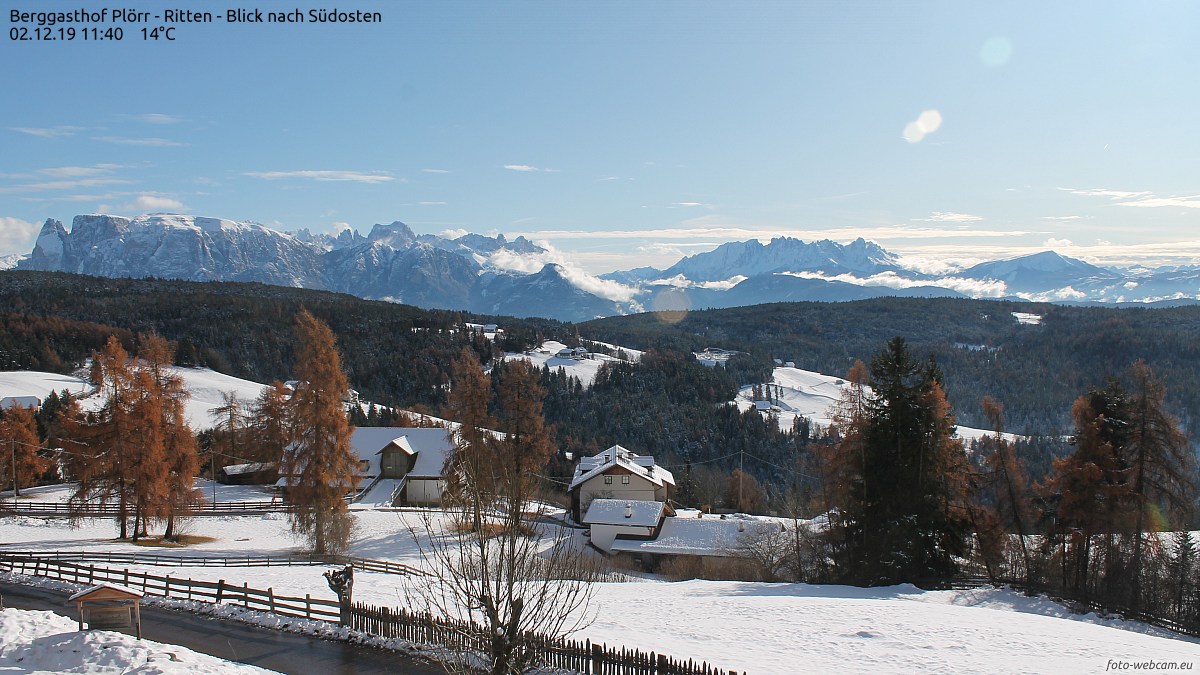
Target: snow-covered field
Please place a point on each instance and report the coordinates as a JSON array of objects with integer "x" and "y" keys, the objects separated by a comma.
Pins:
[
  {"x": 756, "y": 627},
  {"x": 804, "y": 393},
  {"x": 34, "y": 642},
  {"x": 206, "y": 387},
  {"x": 584, "y": 369}
]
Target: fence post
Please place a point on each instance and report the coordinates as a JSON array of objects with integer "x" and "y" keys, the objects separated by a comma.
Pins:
[
  {"x": 307, "y": 606},
  {"x": 597, "y": 658},
  {"x": 271, "y": 598},
  {"x": 246, "y": 594},
  {"x": 220, "y": 590}
]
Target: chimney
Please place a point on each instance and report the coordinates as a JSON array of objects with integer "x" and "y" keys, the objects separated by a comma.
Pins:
[{"x": 628, "y": 510}]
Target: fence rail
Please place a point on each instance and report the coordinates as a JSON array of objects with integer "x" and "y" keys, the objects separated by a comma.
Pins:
[
  {"x": 219, "y": 592},
  {"x": 170, "y": 560},
  {"x": 111, "y": 511},
  {"x": 455, "y": 636}
]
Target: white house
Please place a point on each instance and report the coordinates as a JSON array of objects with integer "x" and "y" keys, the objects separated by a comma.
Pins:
[
  {"x": 618, "y": 474},
  {"x": 397, "y": 465}
]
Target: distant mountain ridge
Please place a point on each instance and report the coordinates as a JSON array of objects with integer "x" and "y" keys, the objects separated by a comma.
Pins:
[{"x": 494, "y": 275}]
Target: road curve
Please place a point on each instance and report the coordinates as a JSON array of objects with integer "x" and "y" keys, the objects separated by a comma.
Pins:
[{"x": 245, "y": 643}]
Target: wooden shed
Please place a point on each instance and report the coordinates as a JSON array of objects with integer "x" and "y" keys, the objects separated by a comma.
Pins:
[{"x": 109, "y": 607}]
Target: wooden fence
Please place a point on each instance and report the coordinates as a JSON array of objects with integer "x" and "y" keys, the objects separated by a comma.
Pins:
[
  {"x": 95, "y": 510},
  {"x": 218, "y": 592},
  {"x": 449, "y": 635},
  {"x": 579, "y": 656},
  {"x": 171, "y": 560}
]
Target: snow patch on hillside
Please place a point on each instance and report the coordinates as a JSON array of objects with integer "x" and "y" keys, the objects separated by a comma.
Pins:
[
  {"x": 584, "y": 368},
  {"x": 803, "y": 393}
]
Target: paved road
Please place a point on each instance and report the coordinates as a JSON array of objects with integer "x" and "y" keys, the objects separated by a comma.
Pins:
[{"x": 271, "y": 649}]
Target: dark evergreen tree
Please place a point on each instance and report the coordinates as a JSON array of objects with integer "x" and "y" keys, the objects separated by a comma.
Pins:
[{"x": 904, "y": 520}]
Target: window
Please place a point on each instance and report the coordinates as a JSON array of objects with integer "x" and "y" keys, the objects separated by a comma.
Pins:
[
  {"x": 608, "y": 480},
  {"x": 624, "y": 480}
]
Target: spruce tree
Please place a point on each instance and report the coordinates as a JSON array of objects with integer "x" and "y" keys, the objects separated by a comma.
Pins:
[
  {"x": 321, "y": 461},
  {"x": 904, "y": 519}
]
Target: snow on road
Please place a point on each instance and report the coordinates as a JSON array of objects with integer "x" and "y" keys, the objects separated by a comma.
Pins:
[{"x": 35, "y": 642}]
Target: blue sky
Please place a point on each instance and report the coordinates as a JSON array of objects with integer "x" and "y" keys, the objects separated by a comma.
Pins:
[{"x": 631, "y": 133}]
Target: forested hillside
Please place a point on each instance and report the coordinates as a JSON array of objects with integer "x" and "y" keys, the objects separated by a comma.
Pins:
[
  {"x": 392, "y": 353},
  {"x": 1036, "y": 370}
]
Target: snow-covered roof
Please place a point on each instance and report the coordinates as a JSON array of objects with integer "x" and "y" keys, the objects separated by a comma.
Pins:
[
  {"x": 101, "y": 586},
  {"x": 22, "y": 401},
  {"x": 238, "y": 469},
  {"x": 638, "y": 465},
  {"x": 633, "y": 512},
  {"x": 711, "y": 535},
  {"x": 431, "y": 446}
]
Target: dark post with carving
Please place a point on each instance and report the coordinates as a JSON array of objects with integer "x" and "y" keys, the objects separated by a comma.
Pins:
[{"x": 341, "y": 582}]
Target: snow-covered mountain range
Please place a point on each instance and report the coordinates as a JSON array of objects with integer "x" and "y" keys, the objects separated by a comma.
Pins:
[{"x": 493, "y": 275}]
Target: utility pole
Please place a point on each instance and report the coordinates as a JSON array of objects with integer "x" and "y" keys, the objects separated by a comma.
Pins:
[
  {"x": 741, "y": 475},
  {"x": 12, "y": 468}
]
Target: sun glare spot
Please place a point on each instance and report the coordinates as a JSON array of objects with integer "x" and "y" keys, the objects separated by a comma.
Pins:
[
  {"x": 996, "y": 52},
  {"x": 925, "y": 124}
]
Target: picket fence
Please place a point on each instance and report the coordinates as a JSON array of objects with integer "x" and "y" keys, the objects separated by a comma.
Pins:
[
  {"x": 440, "y": 633},
  {"x": 579, "y": 656}
]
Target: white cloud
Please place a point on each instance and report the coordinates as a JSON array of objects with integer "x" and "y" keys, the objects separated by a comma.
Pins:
[
  {"x": 79, "y": 171},
  {"x": 690, "y": 205},
  {"x": 431, "y": 203},
  {"x": 526, "y": 168},
  {"x": 1057, "y": 243},
  {"x": 157, "y": 118},
  {"x": 951, "y": 217},
  {"x": 972, "y": 287},
  {"x": 453, "y": 233},
  {"x": 1103, "y": 192},
  {"x": 347, "y": 176},
  {"x": 141, "y": 142},
  {"x": 16, "y": 235},
  {"x": 340, "y": 227},
  {"x": 48, "y": 132},
  {"x": 926, "y": 123},
  {"x": 680, "y": 281},
  {"x": 61, "y": 185},
  {"x": 435, "y": 171},
  {"x": 149, "y": 202},
  {"x": 530, "y": 263},
  {"x": 1067, "y": 293},
  {"x": 1063, "y": 219},
  {"x": 1152, "y": 202}
]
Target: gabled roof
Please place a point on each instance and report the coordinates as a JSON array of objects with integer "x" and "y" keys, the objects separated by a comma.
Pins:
[
  {"x": 635, "y": 512},
  {"x": 644, "y": 466},
  {"x": 431, "y": 445}
]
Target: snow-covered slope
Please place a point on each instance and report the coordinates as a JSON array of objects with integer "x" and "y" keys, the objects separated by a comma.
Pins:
[
  {"x": 583, "y": 368},
  {"x": 206, "y": 387},
  {"x": 803, "y": 393}
]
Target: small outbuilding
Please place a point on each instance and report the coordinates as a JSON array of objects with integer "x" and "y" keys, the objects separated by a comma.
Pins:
[{"x": 109, "y": 607}]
